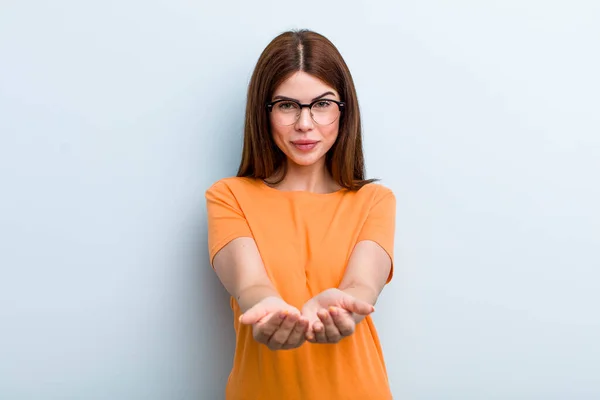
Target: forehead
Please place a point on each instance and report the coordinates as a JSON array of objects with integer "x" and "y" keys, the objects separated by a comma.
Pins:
[{"x": 303, "y": 87}]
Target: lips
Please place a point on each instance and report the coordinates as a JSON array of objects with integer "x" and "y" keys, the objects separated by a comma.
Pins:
[
  {"x": 304, "y": 141},
  {"x": 305, "y": 145}
]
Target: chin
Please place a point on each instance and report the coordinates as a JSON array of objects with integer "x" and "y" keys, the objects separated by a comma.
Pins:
[{"x": 305, "y": 161}]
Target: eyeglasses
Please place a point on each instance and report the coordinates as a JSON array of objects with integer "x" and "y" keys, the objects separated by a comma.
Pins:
[{"x": 322, "y": 111}]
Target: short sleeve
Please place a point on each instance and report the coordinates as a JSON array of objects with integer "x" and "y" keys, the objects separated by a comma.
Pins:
[
  {"x": 381, "y": 224},
  {"x": 226, "y": 221}
]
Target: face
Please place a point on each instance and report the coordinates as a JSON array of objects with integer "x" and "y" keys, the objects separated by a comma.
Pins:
[{"x": 305, "y": 143}]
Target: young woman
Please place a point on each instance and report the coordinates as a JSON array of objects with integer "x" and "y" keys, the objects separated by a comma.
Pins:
[{"x": 300, "y": 239}]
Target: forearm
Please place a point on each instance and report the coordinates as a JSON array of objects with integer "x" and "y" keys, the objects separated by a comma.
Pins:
[
  {"x": 362, "y": 292},
  {"x": 241, "y": 271},
  {"x": 251, "y": 295},
  {"x": 367, "y": 272}
]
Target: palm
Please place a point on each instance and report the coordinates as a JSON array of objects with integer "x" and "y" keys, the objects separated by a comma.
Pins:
[
  {"x": 275, "y": 304},
  {"x": 324, "y": 300},
  {"x": 330, "y": 315},
  {"x": 276, "y": 324}
]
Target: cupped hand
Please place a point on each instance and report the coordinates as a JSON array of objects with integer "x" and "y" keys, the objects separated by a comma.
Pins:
[
  {"x": 331, "y": 315},
  {"x": 276, "y": 324}
]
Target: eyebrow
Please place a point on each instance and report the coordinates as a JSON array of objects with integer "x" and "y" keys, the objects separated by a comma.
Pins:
[{"x": 316, "y": 98}]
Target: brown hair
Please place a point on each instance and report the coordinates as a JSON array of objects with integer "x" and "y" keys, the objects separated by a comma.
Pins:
[{"x": 314, "y": 54}]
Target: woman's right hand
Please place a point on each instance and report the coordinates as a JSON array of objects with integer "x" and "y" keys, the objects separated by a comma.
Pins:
[{"x": 276, "y": 324}]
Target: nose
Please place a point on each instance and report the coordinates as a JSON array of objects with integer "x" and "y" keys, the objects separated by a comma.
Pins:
[{"x": 304, "y": 121}]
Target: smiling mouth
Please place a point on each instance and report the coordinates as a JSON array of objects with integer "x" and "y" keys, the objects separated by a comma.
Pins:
[{"x": 305, "y": 145}]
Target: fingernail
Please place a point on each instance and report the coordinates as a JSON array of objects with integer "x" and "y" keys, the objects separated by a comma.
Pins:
[{"x": 333, "y": 310}]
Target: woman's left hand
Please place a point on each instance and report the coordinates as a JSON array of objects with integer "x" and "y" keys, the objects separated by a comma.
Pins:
[{"x": 331, "y": 315}]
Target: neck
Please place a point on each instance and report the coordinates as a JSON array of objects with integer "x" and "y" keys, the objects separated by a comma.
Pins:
[{"x": 313, "y": 178}]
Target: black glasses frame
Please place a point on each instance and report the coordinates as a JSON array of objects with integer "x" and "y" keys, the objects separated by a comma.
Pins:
[{"x": 341, "y": 105}]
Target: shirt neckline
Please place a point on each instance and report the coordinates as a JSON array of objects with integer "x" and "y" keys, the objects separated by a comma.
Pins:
[{"x": 295, "y": 193}]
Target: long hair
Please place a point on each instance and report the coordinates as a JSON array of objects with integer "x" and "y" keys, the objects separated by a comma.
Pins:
[{"x": 314, "y": 54}]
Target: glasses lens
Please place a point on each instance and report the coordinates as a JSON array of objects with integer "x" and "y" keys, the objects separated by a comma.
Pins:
[
  {"x": 285, "y": 112},
  {"x": 325, "y": 112}
]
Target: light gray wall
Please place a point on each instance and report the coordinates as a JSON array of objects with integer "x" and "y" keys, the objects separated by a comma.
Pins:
[{"x": 115, "y": 117}]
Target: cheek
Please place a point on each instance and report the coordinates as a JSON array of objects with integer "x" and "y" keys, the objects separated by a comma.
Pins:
[
  {"x": 279, "y": 135},
  {"x": 330, "y": 133}
]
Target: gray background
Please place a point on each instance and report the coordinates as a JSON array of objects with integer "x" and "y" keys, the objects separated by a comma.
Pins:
[{"x": 116, "y": 116}]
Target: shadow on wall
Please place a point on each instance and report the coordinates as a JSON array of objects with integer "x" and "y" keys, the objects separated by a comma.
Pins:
[
  {"x": 210, "y": 329},
  {"x": 211, "y": 334}
]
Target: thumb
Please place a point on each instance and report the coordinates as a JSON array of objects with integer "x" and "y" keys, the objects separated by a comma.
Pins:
[
  {"x": 253, "y": 315},
  {"x": 358, "y": 306}
]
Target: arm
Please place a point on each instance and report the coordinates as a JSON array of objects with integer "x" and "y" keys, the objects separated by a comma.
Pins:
[
  {"x": 275, "y": 323},
  {"x": 369, "y": 268},
  {"x": 370, "y": 265},
  {"x": 233, "y": 251},
  {"x": 340, "y": 310},
  {"x": 241, "y": 271},
  {"x": 239, "y": 266}
]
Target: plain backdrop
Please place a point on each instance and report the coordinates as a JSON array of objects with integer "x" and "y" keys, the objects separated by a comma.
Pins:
[{"x": 116, "y": 116}]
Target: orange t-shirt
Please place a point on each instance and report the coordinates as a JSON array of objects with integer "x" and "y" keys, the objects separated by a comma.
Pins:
[{"x": 305, "y": 241}]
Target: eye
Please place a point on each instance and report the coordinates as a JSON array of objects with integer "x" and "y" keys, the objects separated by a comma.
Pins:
[
  {"x": 322, "y": 104},
  {"x": 286, "y": 106}
]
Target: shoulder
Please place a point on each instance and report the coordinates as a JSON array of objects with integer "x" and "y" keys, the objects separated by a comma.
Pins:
[
  {"x": 231, "y": 185},
  {"x": 377, "y": 199},
  {"x": 375, "y": 192}
]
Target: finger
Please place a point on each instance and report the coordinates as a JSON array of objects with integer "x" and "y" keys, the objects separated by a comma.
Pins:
[
  {"x": 311, "y": 318},
  {"x": 297, "y": 336},
  {"x": 310, "y": 333},
  {"x": 265, "y": 329},
  {"x": 319, "y": 331},
  {"x": 343, "y": 320},
  {"x": 331, "y": 331},
  {"x": 358, "y": 306},
  {"x": 281, "y": 335}
]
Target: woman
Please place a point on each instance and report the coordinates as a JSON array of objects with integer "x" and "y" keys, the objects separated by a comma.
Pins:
[{"x": 300, "y": 239}]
